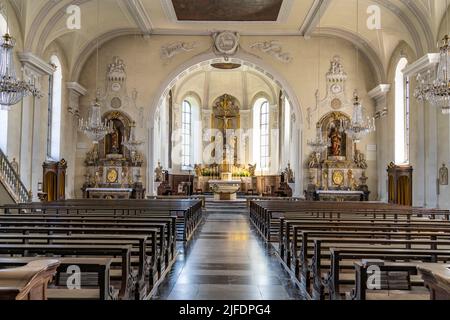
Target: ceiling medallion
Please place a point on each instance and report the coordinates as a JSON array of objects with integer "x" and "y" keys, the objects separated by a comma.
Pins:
[{"x": 226, "y": 43}]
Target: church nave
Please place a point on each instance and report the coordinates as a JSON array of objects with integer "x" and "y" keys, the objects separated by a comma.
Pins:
[{"x": 228, "y": 261}]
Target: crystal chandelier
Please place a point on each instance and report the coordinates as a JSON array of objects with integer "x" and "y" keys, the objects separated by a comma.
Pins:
[
  {"x": 12, "y": 90},
  {"x": 358, "y": 127},
  {"x": 94, "y": 127},
  {"x": 318, "y": 145},
  {"x": 437, "y": 91},
  {"x": 132, "y": 143}
]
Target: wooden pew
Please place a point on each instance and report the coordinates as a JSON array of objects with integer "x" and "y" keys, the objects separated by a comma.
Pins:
[
  {"x": 143, "y": 259},
  {"x": 166, "y": 233},
  {"x": 97, "y": 266},
  {"x": 437, "y": 279},
  {"x": 28, "y": 282},
  {"x": 330, "y": 284},
  {"x": 127, "y": 281}
]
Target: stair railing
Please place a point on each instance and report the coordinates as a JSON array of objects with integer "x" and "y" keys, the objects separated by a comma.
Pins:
[{"x": 11, "y": 180}]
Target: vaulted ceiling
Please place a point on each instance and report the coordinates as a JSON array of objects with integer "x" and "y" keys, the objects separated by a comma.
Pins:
[{"x": 418, "y": 23}]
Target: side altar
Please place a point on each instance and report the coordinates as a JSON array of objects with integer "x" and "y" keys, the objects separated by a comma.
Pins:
[
  {"x": 338, "y": 173},
  {"x": 112, "y": 171}
]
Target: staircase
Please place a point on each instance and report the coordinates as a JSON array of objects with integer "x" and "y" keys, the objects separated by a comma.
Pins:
[
  {"x": 226, "y": 207},
  {"x": 12, "y": 190}
]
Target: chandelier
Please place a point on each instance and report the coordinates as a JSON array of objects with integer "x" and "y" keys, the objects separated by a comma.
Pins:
[
  {"x": 437, "y": 91},
  {"x": 12, "y": 90},
  {"x": 319, "y": 145},
  {"x": 358, "y": 127},
  {"x": 132, "y": 143},
  {"x": 94, "y": 127}
]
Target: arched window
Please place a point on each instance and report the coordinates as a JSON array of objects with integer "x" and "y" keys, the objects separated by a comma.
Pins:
[
  {"x": 3, "y": 111},
  {"x": 261, "y": 134},
  {"x": 401, "y": 114},
  {"x": 54, "y": 111},
  {"x": 186, "y": 135},
  {"x": 265, "y": 136}
]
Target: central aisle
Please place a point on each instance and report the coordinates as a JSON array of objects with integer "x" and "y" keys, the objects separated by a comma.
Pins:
[{"x": 227, "y": 262}]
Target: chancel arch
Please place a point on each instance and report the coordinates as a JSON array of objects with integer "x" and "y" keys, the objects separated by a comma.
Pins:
[{"x": 257, "y": 82}]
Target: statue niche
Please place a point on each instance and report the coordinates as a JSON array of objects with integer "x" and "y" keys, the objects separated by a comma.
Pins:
[
  {"x": 338, "y": 141},
  {"x": 113, "y": 140},
  {"x": 112, "y": 144},
  {"x": 340, "y": 148}
]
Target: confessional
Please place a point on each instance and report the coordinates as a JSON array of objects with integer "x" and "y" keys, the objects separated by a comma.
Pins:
[{"x": 400, "y": 184}]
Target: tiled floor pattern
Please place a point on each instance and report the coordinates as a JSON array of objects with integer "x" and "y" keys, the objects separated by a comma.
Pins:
[{"x": 227, "y": 261}]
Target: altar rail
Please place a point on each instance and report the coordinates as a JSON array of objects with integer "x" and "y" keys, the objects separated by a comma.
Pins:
[{"x": 11, "y": 180}]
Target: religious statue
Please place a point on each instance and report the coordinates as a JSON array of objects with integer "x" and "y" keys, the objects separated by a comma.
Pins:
[
  {"x": 325, "y": 180},
  {"x": 351, "y": 181},
  {"x": 360, "y": 160},
  {"x": 115, "y": 141},
  {"x": 443, "y": 176},
  {"x": 313, "y": 161},
  {"x": 159, "y": 173},
  {"x": 336, "y": 142},
  {"x": 198, "y": 170},
  {"x": 289, "y": 174},
  {"x": 252, "y": 169}
]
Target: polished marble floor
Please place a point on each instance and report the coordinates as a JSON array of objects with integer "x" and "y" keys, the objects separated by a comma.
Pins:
[{"x": 227, "y": 261}]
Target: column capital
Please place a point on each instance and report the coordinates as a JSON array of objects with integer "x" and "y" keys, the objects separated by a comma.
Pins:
[
  {"x": 36, "y": 64},
  {"x": 427, "y": 62},
  {"x": 76, "y": 88},
  {"x": 379, "y": 94}
]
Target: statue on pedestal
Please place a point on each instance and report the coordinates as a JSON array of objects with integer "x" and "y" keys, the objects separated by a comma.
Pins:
[
  {"x": 159, "y": 173},
  {"x": 360, "y": 160},
  {"x": 443, "y": 176},
  {"x": 252, "y": 169}
]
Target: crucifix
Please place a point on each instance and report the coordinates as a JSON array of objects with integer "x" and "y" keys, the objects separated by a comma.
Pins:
[{"x": 226, "y": 110}]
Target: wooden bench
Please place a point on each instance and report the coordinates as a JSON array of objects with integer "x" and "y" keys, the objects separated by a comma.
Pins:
[
  {"x": 99, "y": 267},
  {"x": 27, "y": 282}
]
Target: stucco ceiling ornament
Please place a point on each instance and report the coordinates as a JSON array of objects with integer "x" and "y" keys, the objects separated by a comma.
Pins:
[
  {"x": 274, "y": 49},
  {"x": 116, "y": 94},
  {"x": 170, "y": 50},
  {"x": 226, "y": 43}
]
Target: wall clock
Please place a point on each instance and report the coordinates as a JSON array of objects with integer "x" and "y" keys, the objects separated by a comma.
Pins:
[
  {"x": 112, "y": 175},
  {"x": 116, "y": 86},
  {"x": 336, "y": 88}
]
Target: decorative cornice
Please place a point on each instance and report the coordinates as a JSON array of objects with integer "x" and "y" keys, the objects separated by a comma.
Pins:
[
  {"x": 379, "y": 91},
  {"x": 38, "y": 65},
  {"x": 315, "y": 13},
  {"x": 77, "y": 88},
  {"x": 425, "y": 63},
  {"x": 140, "y": 16},
  {"x": 379, "y": 94}
]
